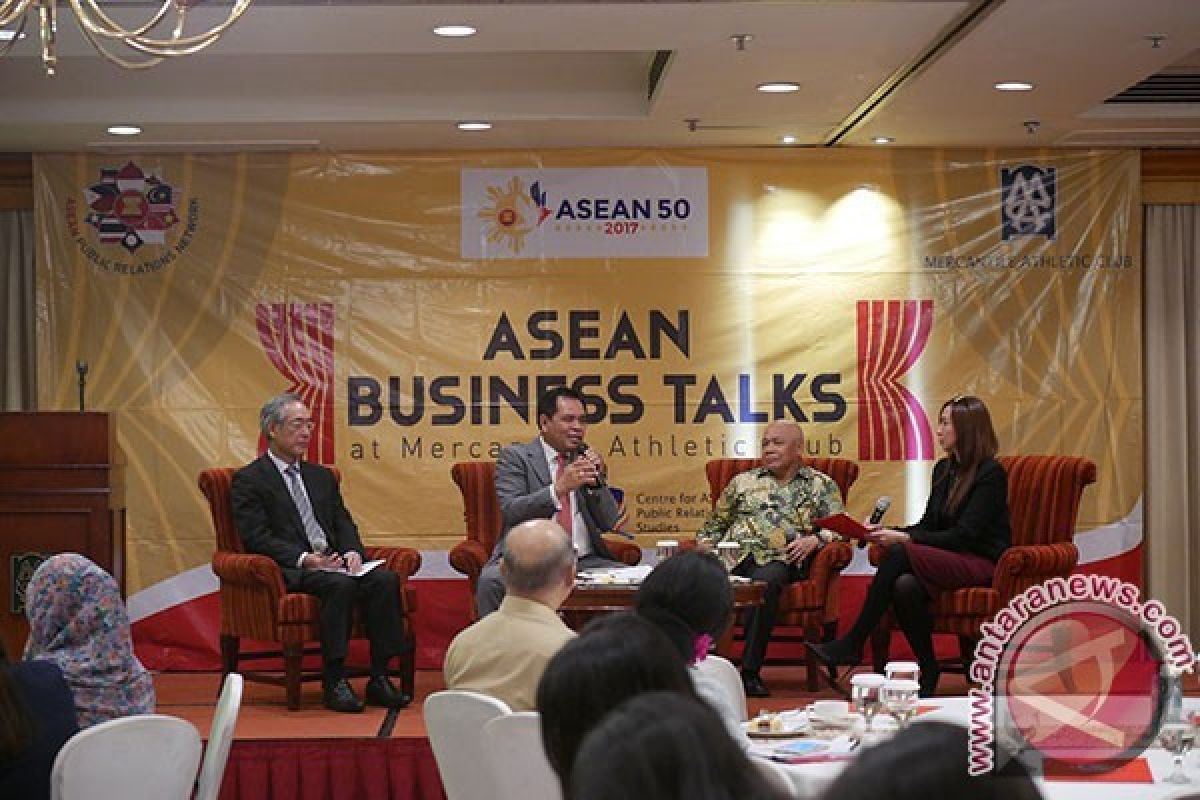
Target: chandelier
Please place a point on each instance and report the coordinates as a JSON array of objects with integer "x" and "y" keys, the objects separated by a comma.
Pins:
[{"x": 102, "y": 31}]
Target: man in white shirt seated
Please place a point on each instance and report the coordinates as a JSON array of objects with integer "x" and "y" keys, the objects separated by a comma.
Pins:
[{"x": 503, "y": 654}]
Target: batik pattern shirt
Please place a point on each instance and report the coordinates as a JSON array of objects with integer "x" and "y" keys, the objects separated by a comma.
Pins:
[{"x": 759, "y": 514}]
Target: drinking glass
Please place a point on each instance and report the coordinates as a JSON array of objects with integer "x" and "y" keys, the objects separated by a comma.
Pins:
[
  {"x": 728, "y": 553},
  {"x": 864, "y": 693},
  {"x": 900, "y": 698},
  {"x": 665, "y": 548},
  {"x": 1177, "y": 738},
  {"x": 902, "y": 671}
]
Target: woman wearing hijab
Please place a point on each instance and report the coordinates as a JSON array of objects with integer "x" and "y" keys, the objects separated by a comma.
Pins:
[{"x": 78, "y": 621}]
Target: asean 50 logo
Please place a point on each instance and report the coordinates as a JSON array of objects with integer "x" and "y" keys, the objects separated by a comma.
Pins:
[
  {"x": 513, "y": 213},
  {"x": 128, "y": 209}
]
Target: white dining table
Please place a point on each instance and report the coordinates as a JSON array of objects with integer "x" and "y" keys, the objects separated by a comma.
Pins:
[{"x": 810, "y": 780}]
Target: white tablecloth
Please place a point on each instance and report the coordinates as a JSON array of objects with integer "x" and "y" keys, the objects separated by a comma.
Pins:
[{"x": 809, "y": 780}]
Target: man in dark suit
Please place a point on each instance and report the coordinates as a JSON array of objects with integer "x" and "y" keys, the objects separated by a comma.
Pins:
[
  {"x": 293, "y": 512},
  {"x": 553, "y": 477}
]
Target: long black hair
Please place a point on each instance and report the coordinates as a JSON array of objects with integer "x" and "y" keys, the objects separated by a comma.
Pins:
[
  {"x": 16, "y": 722},
  {"x": 686, "y": 596}
]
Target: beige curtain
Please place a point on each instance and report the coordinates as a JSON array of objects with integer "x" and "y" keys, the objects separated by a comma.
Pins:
[
  {"x": 1172, "y": 397},
  {"x": 18, "y": 378}
]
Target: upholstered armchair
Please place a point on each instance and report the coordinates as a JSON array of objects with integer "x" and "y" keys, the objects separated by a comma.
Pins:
[
  {"x": 810, "y": 604},
  {"x": 1043, "y": 502},
  {"x": 476, "y": 480},
  {"x": 255, "y": 604}
]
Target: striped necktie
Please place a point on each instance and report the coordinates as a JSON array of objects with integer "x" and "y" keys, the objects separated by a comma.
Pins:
[{"x": 312, "y": 529}]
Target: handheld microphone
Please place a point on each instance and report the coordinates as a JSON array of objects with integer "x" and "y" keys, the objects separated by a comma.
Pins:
[
  {"x": 600, "y": 482},
  {"x": 881, "y": 507}
]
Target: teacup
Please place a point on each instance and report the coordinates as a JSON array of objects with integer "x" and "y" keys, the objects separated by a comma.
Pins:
[{"x": 829, "y": 711}]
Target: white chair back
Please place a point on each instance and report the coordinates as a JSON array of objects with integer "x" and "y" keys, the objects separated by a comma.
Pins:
[
  {"x": 454, "y": 720},
  {"x": 220, "y": 738},
  {"x": 150, "y": 755},
  {"x": 513, "y": 747},
  {"x": 726, "y": 675}
]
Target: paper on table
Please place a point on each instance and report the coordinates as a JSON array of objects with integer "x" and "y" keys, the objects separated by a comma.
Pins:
[
  {"x": 844, "y": 524},
  {"x": 363, "y": 570}
]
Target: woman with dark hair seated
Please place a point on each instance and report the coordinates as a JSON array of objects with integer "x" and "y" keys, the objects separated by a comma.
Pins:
[
  {"x": 929, "y": 759},
  {"x": 665, "y": 746},
  {"x": 614, "y": 658},
  {"x": 963, "y": 533},
  {"x": 689, "y": 598},
  {"x": 78, "y": 621},
  {"x": 37, "y": 716}
]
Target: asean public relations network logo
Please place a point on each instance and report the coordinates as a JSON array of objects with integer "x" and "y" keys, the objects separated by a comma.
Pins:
[
  {"x": 1070, "y": 677},
  {"x": 128, "y": 209},
  {"x": 512, "y": 212}
]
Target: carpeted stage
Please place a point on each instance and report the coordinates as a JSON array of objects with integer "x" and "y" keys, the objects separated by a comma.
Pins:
[{"x": 314, "y": 754}]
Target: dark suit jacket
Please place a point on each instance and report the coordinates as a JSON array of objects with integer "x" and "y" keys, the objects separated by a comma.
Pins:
[
  {"x": 525, "y": 491},
  {"x": 980, "y": 525},
  {"x": 267, "y": 518}
]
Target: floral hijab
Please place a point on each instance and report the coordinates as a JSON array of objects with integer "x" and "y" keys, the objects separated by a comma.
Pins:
[{"x": 77, "y": 621}]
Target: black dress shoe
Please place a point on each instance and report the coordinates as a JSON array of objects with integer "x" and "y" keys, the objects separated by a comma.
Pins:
[
  {"x": 754, "y": 685},
  {"x": 833, "y": 655},
  {"x": 340, "y": 697},
  {"x": 381, "y": 692}
]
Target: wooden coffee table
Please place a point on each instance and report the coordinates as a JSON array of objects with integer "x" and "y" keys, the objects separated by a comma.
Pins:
[{"x": 590, "y": 600}]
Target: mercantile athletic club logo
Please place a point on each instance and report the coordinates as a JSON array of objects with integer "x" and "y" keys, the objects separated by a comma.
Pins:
[{"x": 1071, "y": 676}]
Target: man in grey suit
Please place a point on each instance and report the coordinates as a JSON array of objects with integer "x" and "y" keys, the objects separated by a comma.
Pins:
[{"x": 553, "y": 477}]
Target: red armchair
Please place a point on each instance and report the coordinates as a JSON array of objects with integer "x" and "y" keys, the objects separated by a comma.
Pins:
[
  {"x": 1043, "y": 502},
  {"x": 476, "y": 481},
  {"x": 810, "y": 604},
  {"x": 255, "y": 604}
]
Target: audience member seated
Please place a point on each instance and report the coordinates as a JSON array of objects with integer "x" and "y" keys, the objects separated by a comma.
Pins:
[
  {"x": 928, "y": 759},
  {"x": 768, "y": 512},
  {"x": 665, "y": 746},
  {"x": 613, "y": 659},
  {"x": 689, "y": 598},
  {"x": 505, "y": 653},
  {"x": 37, "y": 716},
  {"x": 78, "y": 621}
]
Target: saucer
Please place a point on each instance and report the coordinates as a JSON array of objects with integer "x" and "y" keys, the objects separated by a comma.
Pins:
[
  {"x": 839, "y": 721},
  {"x": 793, "y": 725}
]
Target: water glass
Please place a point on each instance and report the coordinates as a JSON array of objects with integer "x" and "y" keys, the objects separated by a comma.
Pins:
[
  {"x": 864, "y": 693},
  {"x": 1177, "y": 739},
  {"x": 902, "y": 671},
  {"x": 665, "y": 548},
  {"x": 900, "y": 697},
  {"x": 728, "y": 553}
]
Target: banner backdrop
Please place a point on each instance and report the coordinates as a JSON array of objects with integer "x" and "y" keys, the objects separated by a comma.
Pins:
[{"x": 421, "y": 302}]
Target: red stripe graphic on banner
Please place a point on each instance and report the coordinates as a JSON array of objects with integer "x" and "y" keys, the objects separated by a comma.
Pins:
[
  {"x": 298, "y": 339},
  {"x": 892, "y": 425}
]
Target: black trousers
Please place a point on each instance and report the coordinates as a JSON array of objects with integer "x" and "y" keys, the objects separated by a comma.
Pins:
[
  {"x": 761, "y": 621},
  {"x": 377, "y": 593}
]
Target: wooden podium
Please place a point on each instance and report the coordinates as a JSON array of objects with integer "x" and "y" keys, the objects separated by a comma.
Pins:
[{"x": 60, "y": 491}]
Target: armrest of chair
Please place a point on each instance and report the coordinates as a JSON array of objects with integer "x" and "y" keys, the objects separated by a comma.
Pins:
[
  {"x": 404, "y": 561},
  {"x": 828, "y": 563},
  {"x": 249, "y": 571},
  {"x": 624, "y": 550},
  {"x": 468, "y": 557},
  {"x": 1023, "y": 566}
]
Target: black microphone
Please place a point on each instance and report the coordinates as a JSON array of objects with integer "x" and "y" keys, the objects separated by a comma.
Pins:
[
  {"x": 600, "y": 482},
  {"x": 81, "y": 367},
  {"x": 881, "y": 507}
]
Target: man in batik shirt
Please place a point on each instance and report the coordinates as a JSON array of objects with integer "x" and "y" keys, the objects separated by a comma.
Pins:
[{"x": 768, "y": 511}]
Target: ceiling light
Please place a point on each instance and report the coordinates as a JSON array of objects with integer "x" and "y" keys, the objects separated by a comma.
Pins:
[
  {"x": 882, "y": 139},
  {"x": 474, "y": 126},
  {"x": 124, "y": 130},
  {"x": 778, "y": 87},
  {"x": 1013, "y": 86},
  {"x": 787, "y": 139},
  {"x": 102, "y": 31},
  {"x": 455, "y": 31},
  {"x": 8, "y": 36}
]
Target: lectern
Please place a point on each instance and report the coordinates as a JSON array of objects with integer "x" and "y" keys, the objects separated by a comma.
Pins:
[{"x": 60, "y": 491}]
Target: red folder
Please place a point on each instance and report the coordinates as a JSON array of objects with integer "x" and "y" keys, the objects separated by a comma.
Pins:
[{"x": 844, "y": 524}]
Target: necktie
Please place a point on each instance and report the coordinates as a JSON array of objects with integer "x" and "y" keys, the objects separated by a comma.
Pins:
[
  {"x": 312, "y": 529},
  {"x": 563, "y": 516}
]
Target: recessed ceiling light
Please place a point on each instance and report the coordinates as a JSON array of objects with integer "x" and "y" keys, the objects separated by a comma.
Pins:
[
  {"x": 455, "y": 31},
  {"x": 124, "y": 130},
  {"x": 778, "y": 87},
  {"x": 1013, "y": 86},
  {"x": 474, "y": 126},
  {"x": 882, "y": 139},
  {"x": 8, "y": 36},
  {"x": 787, "y": 139}
]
